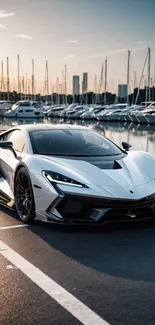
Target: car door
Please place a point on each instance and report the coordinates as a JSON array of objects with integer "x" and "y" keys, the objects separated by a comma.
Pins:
[{"x": 8, "y": 161}]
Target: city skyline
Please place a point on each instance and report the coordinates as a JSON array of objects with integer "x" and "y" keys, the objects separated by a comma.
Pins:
[{"x": 80, "y": 35}]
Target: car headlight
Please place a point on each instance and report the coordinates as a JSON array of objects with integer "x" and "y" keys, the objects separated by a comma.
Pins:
[{"x": 57, "y": 178}]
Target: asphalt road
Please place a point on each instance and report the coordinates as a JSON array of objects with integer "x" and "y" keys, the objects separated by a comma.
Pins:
[{"x": 111, "y": 270}]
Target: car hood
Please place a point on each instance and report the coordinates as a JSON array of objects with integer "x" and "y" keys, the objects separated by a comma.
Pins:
[{"x": 137, "y": 168}]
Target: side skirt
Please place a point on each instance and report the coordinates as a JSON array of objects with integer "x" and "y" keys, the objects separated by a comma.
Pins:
[
  {"x": 4, "y": 197},
  {"x": 5, "y": 193},
  {"x": 6, "y": 200}
]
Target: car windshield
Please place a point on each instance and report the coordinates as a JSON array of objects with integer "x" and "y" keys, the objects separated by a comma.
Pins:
[{"x": 72, "y": 143}]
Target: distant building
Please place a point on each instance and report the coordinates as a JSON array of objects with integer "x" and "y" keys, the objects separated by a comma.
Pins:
[
  {"x": 85, "y": 82},
  {"x": 76, "y": 85},
  {"x": 122, "y": 91}
]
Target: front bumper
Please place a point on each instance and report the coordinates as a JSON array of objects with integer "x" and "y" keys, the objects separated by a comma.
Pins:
[{"x": 80, "y": 209}]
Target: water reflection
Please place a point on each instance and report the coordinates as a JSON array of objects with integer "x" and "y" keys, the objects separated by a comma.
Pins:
[{"x": 142, "y": 137}]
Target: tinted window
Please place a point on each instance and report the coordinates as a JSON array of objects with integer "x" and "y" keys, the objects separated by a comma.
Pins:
[
  {"x": 18, "y": 140},
  {"x": 71, "y": 143}
]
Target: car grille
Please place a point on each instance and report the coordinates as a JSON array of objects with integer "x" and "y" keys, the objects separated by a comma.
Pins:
[{"x": 83, "y": 208}]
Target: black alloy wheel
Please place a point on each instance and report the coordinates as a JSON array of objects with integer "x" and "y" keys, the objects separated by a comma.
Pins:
[{"x": 24, "y": 199}]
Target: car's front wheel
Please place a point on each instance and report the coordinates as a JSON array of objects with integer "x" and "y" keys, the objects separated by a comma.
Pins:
[{"x": 24, "y": 199}]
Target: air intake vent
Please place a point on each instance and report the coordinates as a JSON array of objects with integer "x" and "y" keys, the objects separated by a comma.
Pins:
[{"x": 106, "y": 164}]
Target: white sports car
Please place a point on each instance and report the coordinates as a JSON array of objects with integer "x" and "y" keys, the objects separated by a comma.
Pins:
[{"x": 73, "y": 175}]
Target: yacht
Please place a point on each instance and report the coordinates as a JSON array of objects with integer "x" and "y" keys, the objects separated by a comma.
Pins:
[
  {"x": 77, "y": 111},
  {"x": 149, "y": 110},
  {"x": 46, "y": 106},
  {"x": 111, "y": 109},
  {"x": 91, "y": 114},
  {"x": 24, "y": 109},
  {"x": 68, "y": 109},
  {"x": 55, "y": 112},
  {"x": 5, "y": 104}
]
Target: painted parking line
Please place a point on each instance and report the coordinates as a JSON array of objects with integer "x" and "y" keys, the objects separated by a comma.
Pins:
[
  {"x": 74, "y": 306},
  {"x": 10, "y": 227}
]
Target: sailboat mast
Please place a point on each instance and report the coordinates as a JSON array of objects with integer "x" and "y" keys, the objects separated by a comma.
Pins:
[
  {"x": 26, "y": 93},
  {"x": 60, "y": 88},
  {"x": 2, "y": 79},
  {"x": 8, "y": 80},
  {"x": 23, "y": 87},
  {"x": 100, "y": 85},
  {"x": 57, "y": 87},
  {"x": 128, "y": 75},
  {"x": 145, "y": 86},
  {"x": 149, "y": 62},
  {"x": 93, "y": 102},
  {"x": 28, "y": 87},
  {"x": 47, "y": 78},
  {"x": 32, "y": 98},
  {"x": 135, "y": 79},
  {"x": 93, "y": 97},
  {"x": 18, "y": 71},
  {"x": 151, "y": 92},
  {"x": 65, "y": 84},
  {"x": 63, "y": 90},
  {"x": 105, "y": 83},
  {"x": 141, "y": 79},
  {"x": 134, "y": 85},
  {"x": 47, "y": 81},
  {"x": 52, "y": 95}
]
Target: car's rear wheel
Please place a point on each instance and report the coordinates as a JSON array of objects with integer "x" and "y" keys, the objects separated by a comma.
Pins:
[{"x": 24, "y": 199}]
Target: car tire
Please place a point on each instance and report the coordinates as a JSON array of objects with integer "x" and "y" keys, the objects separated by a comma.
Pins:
[{"x": 24, "y": 198}]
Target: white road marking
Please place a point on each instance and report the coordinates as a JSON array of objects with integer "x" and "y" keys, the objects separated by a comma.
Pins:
[
  {"x": 74, "y": 306},
  {"x": 10, "y": 227}
]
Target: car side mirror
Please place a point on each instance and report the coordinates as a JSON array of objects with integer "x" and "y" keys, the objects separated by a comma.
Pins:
[
  {"x": 126, "y": 146},
  {"x": 8, "y": 145}
]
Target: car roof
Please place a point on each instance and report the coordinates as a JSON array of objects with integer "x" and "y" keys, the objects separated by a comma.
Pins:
[{"x": 41, "y": 126}]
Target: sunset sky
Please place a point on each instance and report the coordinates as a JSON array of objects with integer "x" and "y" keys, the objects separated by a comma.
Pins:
[{"x": 80, "y": 34}]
